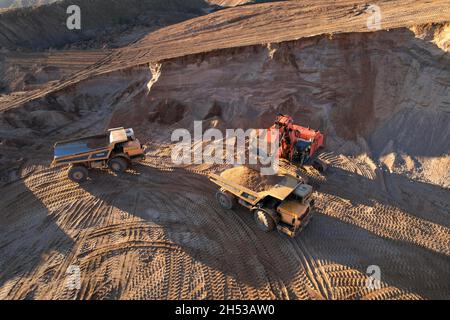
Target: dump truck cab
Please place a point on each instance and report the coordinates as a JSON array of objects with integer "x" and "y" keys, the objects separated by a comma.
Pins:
[
  {"x": 116, "y": 149},
  {"x": 287, "y": 205}
]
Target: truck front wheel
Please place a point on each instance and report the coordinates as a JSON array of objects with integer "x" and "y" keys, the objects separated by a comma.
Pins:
[
  {"x": 78, "y": 174},
  {"x": 118, "y": 164},
  {"x": 264, "y": 221}
]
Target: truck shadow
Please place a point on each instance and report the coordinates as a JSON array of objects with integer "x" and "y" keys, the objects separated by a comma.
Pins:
[{"x": 31, "y": 243}]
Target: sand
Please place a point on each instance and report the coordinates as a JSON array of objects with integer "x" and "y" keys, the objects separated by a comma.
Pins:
[
  {"x": 251, "y": 178},
  {"x": 157, "y": 232},
  {"x": 290, "y": 20}
]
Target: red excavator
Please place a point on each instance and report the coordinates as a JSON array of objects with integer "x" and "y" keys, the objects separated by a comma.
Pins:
[{"x": 298, "y": 144}]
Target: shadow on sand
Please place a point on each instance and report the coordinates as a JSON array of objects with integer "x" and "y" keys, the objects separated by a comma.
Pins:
[{"x": 29, "y": 238}]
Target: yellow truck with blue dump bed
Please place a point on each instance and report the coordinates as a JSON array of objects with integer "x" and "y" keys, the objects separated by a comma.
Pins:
[{"x": 116, "y": 150}]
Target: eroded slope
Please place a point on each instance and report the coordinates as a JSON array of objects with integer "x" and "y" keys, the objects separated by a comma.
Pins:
[{"x": 248, "y": 25}]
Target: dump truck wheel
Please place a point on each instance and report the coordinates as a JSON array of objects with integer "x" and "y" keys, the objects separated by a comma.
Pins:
[
  {"x": 320, "y": 166},
  {"x": 78, "y": 174},
  {"x": 264, "y": 221},
  {"x": 118, "y": 164},
  {"x": 225, "y": 200}
]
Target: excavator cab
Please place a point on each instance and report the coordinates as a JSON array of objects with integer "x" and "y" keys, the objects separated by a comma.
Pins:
[
  {"x": 297, "y": 143},
  {"x": 302, "y": 151}
]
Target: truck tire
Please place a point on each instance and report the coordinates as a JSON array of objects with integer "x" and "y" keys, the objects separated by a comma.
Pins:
[
  {"x": 226, "y": 200},
  {"x": 264, "y": 221},
  {"x": 118, "y": 164},
  {"x": 78, "y": 174},
  {"x": 320, "y": 166}
]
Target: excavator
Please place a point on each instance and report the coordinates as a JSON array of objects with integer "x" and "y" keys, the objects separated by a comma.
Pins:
[
  {"x": 287, "y": 204},
  {"x": 299, "y": 145}
]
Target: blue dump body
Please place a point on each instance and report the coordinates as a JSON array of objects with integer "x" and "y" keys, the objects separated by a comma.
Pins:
[
  {"x": 84, "y": 145},
  {"x": 71, "y": 149}
]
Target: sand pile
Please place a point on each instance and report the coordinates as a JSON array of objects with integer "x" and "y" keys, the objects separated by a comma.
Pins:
[{"x": 251, "y": 178}]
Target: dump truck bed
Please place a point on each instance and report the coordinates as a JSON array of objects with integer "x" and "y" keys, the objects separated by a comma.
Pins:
[
  {"x": 252, "y": 188},
  {"x": 80, "y": 146},
  {"x": 242, "y": 192}
]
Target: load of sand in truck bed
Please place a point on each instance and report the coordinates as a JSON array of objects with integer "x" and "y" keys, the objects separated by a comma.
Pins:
[{"x": 251, "y": 178}]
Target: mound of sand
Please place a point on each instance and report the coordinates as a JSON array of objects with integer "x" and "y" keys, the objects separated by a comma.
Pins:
[
  {"x": 251, "y": 178},
  {"x": 381, "y": 98}
]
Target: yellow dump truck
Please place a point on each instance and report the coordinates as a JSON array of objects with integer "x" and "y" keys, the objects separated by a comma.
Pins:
[
  {"x": 115, "y": 149},
  {"x": 282, "y": 201}
]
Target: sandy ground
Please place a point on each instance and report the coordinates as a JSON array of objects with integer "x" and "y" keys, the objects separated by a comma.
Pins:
[
  {"x": 131, "y": 242},
  {"x": 156, "y": 232}
]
